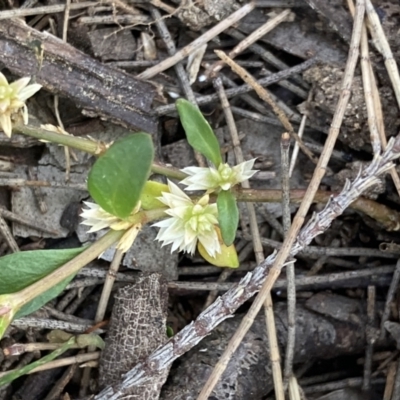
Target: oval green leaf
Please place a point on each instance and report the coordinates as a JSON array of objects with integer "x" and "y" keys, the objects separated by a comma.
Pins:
[
  {"x": 227, "y": 258},
  {"x": 198, "y": 131},
  {"x": 228, "y": 216},
  {"x": 19, "y": 270},
  {"x": 150, "y": 193},
  {"x": 117, "y": 178}
]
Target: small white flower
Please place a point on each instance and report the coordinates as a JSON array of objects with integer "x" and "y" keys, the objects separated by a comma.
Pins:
[
  {"x": 190, "y": 222},
  {"x": 212, "y": 179},
  {"x": 98, "y": 219},
  {"x": 12, "y": 100}
]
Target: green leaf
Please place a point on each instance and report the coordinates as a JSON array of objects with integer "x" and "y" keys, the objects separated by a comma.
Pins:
[
  {"x": 228, "y": 216},
  {"x": 227, "y": 258},
  {"x": 44, "y": 298},
  {"x": 151, "y": 191},
  {"x": 198, "y": 131},
  {"x": 117, "y": 178},
  {"x": 19, "y": 270}
]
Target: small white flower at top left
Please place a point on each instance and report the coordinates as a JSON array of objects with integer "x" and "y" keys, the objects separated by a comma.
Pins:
[
  {"x": 12, "y": 100},
  {"x": 98, "y": 219}
]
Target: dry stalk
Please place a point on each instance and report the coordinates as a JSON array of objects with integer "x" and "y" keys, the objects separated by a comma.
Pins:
[
  {"x": 8, "y": 236},
  {"x": 249, "y": 40},
  {"x": 305, "y": 205},
  {"x": 300, "y": 135},
  {"x": 200, "y": 41},
  {"x": 370, "y": 337},
  {"x": 268, "y": 98},
  {"x": 290, "y": 271},
  {"x": 258, "y": 249},
  {"x": 389, "y": 299},
  {"x": 227, "y": 304}
]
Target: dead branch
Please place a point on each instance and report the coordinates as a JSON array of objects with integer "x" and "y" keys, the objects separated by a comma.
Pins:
[{"x": 62, "y": 69}]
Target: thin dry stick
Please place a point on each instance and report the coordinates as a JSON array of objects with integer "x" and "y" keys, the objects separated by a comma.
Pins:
[
  {"x": 267, "y": 97},
  {"x": 266, "y": 55},
  {"x": 249, "y": 40},
  {"x": 389, "y": 298},
  {"x": 200, "y": 41},
  {"x": 56, "y": 111},
  {"x": 390, "y": 380},
  {"x": 296, "y": 145},
  {"x": 305, "y": 205},
  {"x": 237, "y": 295},
  {"x": 383, "y": 47},
  {"x": 59, "y": 386},
  {"x": 171, "y": 48},
  {"x": 101, "y": 311},
  {"x": 56, "y": 8},
  {"x": 367, "y": 85},
  {"x": 370, "y": 337},
  {"x": 38, "y": 193},
  {"x": 257, "y": 245},
  {"x": 66, "y": 20},
  {"x": 179, "y": 69},
  {"x": 269, "y": 80},
  {"x": 396, "y": 390},
  {"x": 62, "y": 362},
  {"x": 290, "y": 272},
  {"x": 8, "y": 236}
]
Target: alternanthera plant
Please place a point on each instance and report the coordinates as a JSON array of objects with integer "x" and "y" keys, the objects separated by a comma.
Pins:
[{"x": 203, "y": 217}]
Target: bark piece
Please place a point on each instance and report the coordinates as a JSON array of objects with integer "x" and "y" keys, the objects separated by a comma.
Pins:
[
  {"x": 137, "y": 327},
  {"x": 111, "y": 45},
  {"x": 326, "y": 79},
  {"x": 62, "y": 69}
]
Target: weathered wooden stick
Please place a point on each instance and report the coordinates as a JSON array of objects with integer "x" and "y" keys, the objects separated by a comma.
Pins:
[{"x": 62, "y": 69}]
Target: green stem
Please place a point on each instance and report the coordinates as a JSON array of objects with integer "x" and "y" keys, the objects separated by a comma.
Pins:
[
  {"x": 89, "y": 146},
  {"x": 75, "y": 142},
  {"x": 24, "y": 296},
  {"x": 71, "y": 267},
  {"x": 169, "y": 172}
]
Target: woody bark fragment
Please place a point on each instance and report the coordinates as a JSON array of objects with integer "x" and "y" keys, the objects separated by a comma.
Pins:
[
  {"x": 137, "y": 328},
  {"x": 99, "y": 89}
]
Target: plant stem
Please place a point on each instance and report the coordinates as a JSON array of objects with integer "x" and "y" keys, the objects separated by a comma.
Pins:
[
  {"x": 24, "y": 296},
  {"x": 78, "y": 143},
  {"x": 89, "y": 146}
]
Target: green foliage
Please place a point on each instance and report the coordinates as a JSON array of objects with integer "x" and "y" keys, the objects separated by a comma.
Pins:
[
  {"x": 150, "y": 192},
  {"x": 228, "y": 216},
  {"x": 117, "y": 178},
  {"x": 19, "y": 270},
  {"x": 198, "y": 131}
]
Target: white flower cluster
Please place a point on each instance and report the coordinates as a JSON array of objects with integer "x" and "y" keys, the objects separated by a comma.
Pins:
[
  {"x": 189, "y": 221},
  {"x": 12, "y": 100}
]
